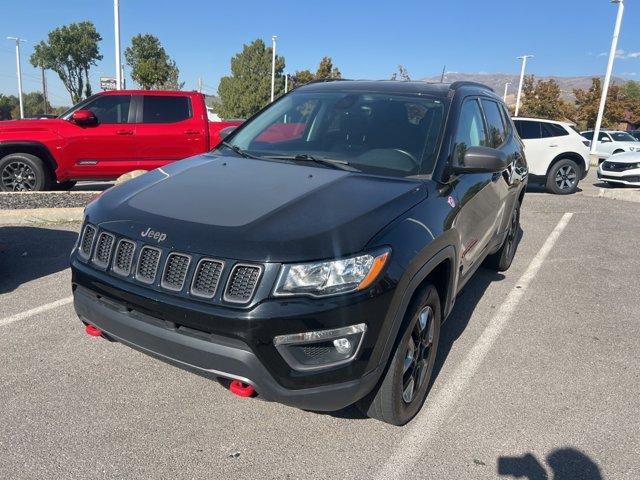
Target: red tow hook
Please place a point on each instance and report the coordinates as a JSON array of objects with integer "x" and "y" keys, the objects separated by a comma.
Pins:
[
  {"x": 93, "y": 331},
  {"x": 241, "y": 389}
]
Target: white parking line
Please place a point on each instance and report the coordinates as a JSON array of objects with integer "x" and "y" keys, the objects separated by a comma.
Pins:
[
  {"x": 36, "y": 311},
  {"x": 435, "y": 411}
]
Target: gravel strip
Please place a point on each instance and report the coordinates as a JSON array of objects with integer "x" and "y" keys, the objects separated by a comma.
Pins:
[{"x": 31, "y": 200}]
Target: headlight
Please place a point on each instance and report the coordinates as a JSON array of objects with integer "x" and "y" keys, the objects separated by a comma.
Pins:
[{"x": 320, "y": 279}]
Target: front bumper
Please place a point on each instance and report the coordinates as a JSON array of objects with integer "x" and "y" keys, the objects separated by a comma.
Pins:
[
  {"x": 626, "y": 177},
  {"x": 236, "y": 346}
]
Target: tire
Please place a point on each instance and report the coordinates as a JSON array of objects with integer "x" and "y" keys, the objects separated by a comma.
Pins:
[
  {"x": 68, "y": 185},
  {"x": 23, "y": 172},
  {"x": 394, "y": 401},
  {"x": 502, "y": 259},
  {"x": 563, "y": 177}
]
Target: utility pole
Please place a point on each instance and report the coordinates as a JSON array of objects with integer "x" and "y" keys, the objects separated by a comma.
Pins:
[
  {"x": 200, "y": 84},
  {"x": 116, "y": 29},
  {"x": 607, "y": 77},
  {"x": 524, "y": 65},
  {"x": 273, "y": 66},
  {"x": 44, "y": 91},
  {"x": 286, "y": 82},
  {"x": 19, "y": 72},
  {"x": 444, "y": 69},
  {"x": 506, "y": 89}
]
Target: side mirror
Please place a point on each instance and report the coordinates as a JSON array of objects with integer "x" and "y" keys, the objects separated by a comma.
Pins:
[
  {"x": 84, "y": 117},
  {"x": 224, "y": 133},
  {"x": 482, "y": 160}
]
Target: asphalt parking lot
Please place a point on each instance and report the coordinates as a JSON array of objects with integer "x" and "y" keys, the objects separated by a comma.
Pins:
[{"x": 538, "y": 377}]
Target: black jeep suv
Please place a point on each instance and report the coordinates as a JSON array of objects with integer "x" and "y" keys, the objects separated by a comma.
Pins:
[{"x": 313, "y": 256}]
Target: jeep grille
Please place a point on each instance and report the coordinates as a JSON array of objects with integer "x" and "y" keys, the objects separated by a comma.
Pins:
[
  {"x": 175, "y": 271},
  {"x": 242, "y": 283},
  {"x": 206, "y": 278},
  {"x": 148, "y": 264},
  {"x": 123, "y": 260},
  {"x": 86, "y": 242},
  {"x": 104, "y": 246}
]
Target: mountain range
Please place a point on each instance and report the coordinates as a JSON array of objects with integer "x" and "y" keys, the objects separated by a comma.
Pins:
[{"x": 497, "y": 81}]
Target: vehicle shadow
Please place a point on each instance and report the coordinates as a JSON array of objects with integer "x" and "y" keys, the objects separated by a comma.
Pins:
[
  {"x": 564, "y": 463},
  {"x": 28, "y": 253}
]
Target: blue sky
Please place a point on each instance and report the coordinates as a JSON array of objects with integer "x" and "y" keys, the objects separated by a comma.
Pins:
[{"x": 367, "y": 39}]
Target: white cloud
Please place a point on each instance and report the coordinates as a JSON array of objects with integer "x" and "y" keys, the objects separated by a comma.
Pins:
[
  {"x": 621, "y": 54},
  {"x": 634, "y": 55}
]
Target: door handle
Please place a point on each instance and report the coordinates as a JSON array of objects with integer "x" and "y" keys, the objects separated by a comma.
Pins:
[
  {"x": 124, "y": 132},
  {"x": 192, "y": 132},
  {"x": 553, "y": 146}
]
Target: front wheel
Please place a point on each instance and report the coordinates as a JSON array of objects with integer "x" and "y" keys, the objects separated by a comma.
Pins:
[
  {"x": 404, "y": 387},
  {"x": 23, "y": 172},
  {"x": 563, "y": 177}
]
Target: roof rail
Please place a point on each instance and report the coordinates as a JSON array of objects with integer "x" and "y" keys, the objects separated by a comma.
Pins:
[
  {"x": 465, "y": 83},
  {"x": 324, "y": 80}
]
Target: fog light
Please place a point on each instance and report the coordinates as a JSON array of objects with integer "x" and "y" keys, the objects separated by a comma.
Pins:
[
  {"x": 321, "y": 349},
  {"x": 343, "y": 345}
]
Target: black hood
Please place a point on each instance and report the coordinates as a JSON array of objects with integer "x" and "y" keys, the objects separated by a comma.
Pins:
[{"x": 255, "y": 210}]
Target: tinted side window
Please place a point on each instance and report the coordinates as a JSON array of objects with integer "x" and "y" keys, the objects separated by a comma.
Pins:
[
  {"x": 165, "y": 109},
  {"x": 471, "y": 131},
  {"x": 495, "y": 123},
  {"x": 528, "y": 130},
  {"x": 603, "y": 136},
  {"x": 553, "y": 130},
  {"x": 587, "y": 135},
  {"x": 111, "y": 108}
]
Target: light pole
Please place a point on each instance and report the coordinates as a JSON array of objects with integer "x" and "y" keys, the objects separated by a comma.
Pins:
[
  {"x": 273, "y": 66},
  {"x": 506, "y": 89},
  {"x": 286, "y": 82},
  {"x": 524, "y": 65},
  {"x": 18, "y": 72},
  {"x": 116, "y": 29},
  {"x": 607, "y": 77}
]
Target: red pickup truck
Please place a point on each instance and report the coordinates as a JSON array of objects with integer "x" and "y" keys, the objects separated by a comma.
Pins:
[{"x": 105, "y": 136}]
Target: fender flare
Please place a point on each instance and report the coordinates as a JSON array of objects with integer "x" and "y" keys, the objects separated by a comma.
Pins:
[
  {"x": 398, "y": 312},
  {"x": 13, "y": 146}
]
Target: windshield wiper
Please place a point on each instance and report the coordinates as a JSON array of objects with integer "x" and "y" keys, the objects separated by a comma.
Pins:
[
  {"x": 238, "y": 150},
  {"x": 304, "y": 157}
]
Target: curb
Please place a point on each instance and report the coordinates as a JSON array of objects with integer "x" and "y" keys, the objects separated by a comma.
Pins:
[{"x": 41, "y": 215}]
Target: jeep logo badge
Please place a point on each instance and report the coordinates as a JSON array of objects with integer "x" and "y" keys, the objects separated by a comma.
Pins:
[{"x": 153, "y": 235}]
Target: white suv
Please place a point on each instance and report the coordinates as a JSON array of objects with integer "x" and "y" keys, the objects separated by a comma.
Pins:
[
  {"x": 613, "y": 142},
  {"x": 558, "y": 157}
]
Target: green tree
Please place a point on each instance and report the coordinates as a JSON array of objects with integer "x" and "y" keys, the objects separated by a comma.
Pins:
[
  {"x": 543, "y": 99},
  {"x": 173, "y": 81},
  {"x": 588, "y": 102},
  {"x": 248, "y": 88},
  {"x": 151, "y": 67},
  {"x": 7, "y": 104},
  {"x": 70, "y": 51},
  {"x": 33, "y": 103},
  {"x": 326, "y": 70}
]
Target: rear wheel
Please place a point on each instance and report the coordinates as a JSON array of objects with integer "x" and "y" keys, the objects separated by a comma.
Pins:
[
  {"x": 23, "y": 172},
  {"x": 563, "y": 177},
  {"x": 502, "y": 259},
  {"x": 404, "y": 387}
]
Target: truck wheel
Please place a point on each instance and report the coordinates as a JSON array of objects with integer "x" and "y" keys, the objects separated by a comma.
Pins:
[
  {"x": 23, "y": 172},
  {"x": 404, "y": 387},
  {"x": 501, "y": 260},
  {"x": 563, "y": 177}
]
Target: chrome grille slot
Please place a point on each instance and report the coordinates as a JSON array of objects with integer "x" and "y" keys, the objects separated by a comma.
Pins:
[
  {"x": 206, "y": 278},
  {"x": 242, "y": 283},
  {"x": 104, "y": 247},
  {"x": 123, "y": 258},
  {"x": 148, "y": 264},
  {"x": 86, "y": 242},
  {"x": 175, "y": 271}
]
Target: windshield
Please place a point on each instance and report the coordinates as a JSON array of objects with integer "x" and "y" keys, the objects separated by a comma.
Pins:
[
  {"x": 380, "y": 133},
  {"x": 622, "y": 137}
]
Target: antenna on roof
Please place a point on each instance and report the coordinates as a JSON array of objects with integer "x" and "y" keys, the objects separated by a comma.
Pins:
[{"x": 443, "y": 72}]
